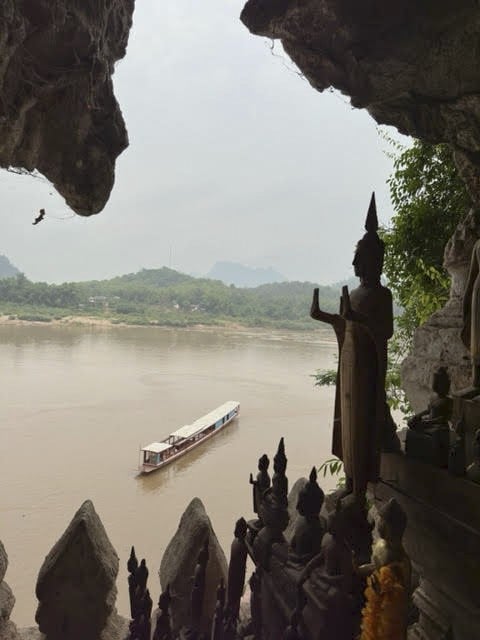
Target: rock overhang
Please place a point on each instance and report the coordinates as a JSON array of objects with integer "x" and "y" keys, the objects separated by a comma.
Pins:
[
  {"x": 58, "y": 112},
  {"x": 411, "y": 65}
]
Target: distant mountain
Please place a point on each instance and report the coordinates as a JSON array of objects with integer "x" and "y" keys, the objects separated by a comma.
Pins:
[
  {"x": 7, "y": 269},
  {"x": 163, "y": 277},
  {"x": 242, "y": 276}
]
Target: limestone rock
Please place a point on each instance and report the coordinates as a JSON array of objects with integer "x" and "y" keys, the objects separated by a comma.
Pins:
[
  {"x": 292, "y": 508},
  {"x": 76, "y": 584},
  {"x": 413, "y": 65},
  {"x": 3, "y": 561},
  {"x": 438, "y": 342},
  {"x": 7, "y": 601},
  {"x": 8, "y": 631},
  {"x": 179, "y": 561},
  {"x": 58, "y": 112}
]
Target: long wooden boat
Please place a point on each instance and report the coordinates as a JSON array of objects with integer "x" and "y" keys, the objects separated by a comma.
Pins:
[{"x": 158, "y": 454}]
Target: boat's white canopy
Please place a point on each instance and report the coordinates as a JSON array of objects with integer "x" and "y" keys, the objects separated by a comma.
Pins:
[
  {"x": 156, "y": 447},
  {"x": 205, "y": 421}
]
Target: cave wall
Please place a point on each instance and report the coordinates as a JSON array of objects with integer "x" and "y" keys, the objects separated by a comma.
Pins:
[{"x": 58, "y": 112}]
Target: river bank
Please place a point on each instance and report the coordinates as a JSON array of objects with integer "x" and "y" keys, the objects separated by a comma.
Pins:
[{"x": 317, "y": 333}]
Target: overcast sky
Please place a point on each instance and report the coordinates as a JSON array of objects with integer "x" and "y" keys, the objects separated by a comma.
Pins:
[{"x": 232, "y": 156}]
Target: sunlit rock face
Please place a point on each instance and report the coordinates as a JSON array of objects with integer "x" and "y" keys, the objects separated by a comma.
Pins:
[
  {"x": 58, "y": 113},
  {"x": 411, "y": 64},
  {"x": 438, "y": 342}
]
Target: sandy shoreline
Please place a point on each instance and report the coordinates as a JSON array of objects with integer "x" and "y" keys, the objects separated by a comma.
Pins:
[{"x": 322, "y": 334}]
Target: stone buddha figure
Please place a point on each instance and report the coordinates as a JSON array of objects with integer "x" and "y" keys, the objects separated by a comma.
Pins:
[
  {"x": 371, "y": 314},
  {"x": 473, "y": 470},
  {"x": 310, "y": 526},
  {"x": 428, "y": 438}
]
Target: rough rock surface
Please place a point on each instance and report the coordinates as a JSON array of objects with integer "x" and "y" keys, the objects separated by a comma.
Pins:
[
  {"x": 3, "y": 561},
  {"x": 438, "y": 342},
  {"x": 58, "y": 113},
  {"x": 179, "y": 561},
  {"x": 413, "y": 65},
  {"x": 8, "y": 630},
  {"x": 117, "y": 629},
  {"x": 76, "y": 584}
]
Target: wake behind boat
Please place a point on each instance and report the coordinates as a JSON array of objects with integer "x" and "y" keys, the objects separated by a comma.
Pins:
[{"x": 158, "y": 454}]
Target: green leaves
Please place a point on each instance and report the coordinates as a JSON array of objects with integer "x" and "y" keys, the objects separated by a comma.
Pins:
[{"x": 429, "y": 200}]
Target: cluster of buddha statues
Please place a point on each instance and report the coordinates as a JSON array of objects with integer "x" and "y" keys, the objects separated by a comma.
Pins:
[
  {"x": 330, "y": 555},
  {"x": 437, "y": 437}
]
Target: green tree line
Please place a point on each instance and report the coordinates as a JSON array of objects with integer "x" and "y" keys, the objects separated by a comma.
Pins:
[{"x": 165, "y": 296}]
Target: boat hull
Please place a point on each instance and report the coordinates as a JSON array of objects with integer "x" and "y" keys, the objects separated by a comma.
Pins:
[{"x": 146, "y": 468}]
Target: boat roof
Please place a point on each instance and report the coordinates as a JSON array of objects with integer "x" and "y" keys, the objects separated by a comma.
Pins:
[
  {"x": 156, "y": 447},
  {"x": 189, "y": 430}
]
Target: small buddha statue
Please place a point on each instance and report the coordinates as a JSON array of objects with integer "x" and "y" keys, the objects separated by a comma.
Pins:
[
  {"x": 273, "y": 510},
  {"x": 389, "y": 575},
  {"x": 280, "y": 480},
  {"x": 473, "y": 470},
  {"x": 309, "y": 527},
  {"x": 237, "y": 568},
  {"x": 428, "y": 438},
  {"x": 332, "y": 578},
  {"x": 262, "y": 482},
  {"x": 163, "y": 629},
  {"x": 457, "y": 457}
]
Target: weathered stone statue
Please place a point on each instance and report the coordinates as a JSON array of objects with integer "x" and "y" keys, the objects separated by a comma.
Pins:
[
  {"x": 309, "y": 528},
  {"x": 332, "y": 578},
  {"x": 366, "y": 324},
  {"x": 198, "y": 590},
  {"x": 279, "y": 479},
  {"x": 141, "y": 575},
  {"x": 429, "y": 436},
  {"x": 457, "y": 459},
  {"x": 163, "y": 629},
  {"x": 262, "y": 483},
  {"x": 388, "y": 585},
  {"x": 471, "y": 320},
  {"x": 473, "y": 470},
  {"x": 132, "y": 566},
  {"x": 273, "y": 510},
  {"x": 237, "y": 568}
]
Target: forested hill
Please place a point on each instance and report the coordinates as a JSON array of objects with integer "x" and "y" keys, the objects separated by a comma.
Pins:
[
  {"x": 166, "y": 297},
  {"x": 7, "y": 269}
]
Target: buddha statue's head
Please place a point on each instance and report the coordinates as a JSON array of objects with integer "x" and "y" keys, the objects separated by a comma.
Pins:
[
  {"x": 393, "y": 521},
  {"x": 263, "y": 463},
  {"x": 370, "y": 250},
  {"x": 441, "y": 382},
  {"x": 310, "y": 497},
  {"x": 240, "y": 528}
]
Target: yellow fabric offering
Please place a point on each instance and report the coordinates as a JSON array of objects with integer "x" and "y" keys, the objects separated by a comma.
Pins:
[{"x": 384, "y": 616}]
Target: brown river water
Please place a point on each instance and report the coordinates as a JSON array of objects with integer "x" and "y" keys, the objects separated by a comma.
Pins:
[{"x": 77, "y": 402}]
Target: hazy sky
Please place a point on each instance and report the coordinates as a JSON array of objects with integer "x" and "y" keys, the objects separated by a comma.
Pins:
[{"x": 232, "y": 156}]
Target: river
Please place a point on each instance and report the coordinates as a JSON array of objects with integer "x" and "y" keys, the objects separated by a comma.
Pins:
[{"x": 76, "y": 403}]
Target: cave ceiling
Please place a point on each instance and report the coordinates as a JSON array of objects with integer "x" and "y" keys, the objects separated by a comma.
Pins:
[
  {"x": 58, "y": 111},
  {"x": 414, "y": 65}
]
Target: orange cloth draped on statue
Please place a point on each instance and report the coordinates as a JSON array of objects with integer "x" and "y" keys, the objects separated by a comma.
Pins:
[{"x": 384, "y": 615}]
